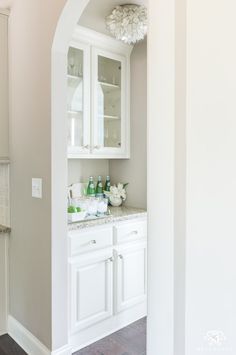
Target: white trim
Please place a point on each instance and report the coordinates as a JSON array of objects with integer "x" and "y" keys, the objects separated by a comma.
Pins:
[
  {"x": 4, "y": 161},
  {"x": 25, "y": 339},
  {"x": 4, "y": 284},
  {"x": 65, "y": 350},
  {"x": 5, "y": 12},
  {"x": 87, "y": 35},
  {"x": 29, "y": 343}
]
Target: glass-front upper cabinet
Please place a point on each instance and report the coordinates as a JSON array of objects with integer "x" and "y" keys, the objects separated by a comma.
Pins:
[
  {"x": 109, "y": 114},
  {"x": 78, "y": 100},
  {"x": 98, "y": 77}
]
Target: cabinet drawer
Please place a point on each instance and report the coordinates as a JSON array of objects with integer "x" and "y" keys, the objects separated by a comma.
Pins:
[
  {"x": 89, "y": 240},
  {"x": 130, "y": 231}
]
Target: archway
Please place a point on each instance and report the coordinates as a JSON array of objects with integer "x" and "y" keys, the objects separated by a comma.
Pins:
[{"x": 161, "y": 139}]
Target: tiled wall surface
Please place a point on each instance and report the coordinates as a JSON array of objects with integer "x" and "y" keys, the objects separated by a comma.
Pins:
[{"x": 4, "y": 195}]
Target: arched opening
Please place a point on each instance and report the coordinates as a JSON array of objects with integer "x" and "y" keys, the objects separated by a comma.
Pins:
[{"x": 158, "y": 279}]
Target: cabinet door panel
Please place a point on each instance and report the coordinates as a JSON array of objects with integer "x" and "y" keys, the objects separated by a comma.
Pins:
[
  {"x": 78, "y": 100},
  {"x": 130, "y": 276},
  {"x": 91, "y": 290},
  {"x": 110, "y": 113}
]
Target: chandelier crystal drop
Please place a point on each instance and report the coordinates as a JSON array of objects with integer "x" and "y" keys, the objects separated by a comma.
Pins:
[{"x": 128, "y": 23}]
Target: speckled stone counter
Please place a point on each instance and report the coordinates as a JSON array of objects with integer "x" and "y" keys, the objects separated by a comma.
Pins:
[
  {"x": 4, "y": 229},
  {"x": 118, "y": 214}
]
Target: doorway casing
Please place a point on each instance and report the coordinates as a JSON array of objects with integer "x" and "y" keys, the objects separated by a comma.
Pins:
[{"x": 161, "y": 171}]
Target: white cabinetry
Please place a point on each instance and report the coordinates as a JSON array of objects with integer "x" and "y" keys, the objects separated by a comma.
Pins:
[
  {"x": 4, "y": 149},
  {"x": 130, "y": 275},
  {"x": 108, "y": 272},
  {"x": 3, "y": 282},
  {"x": 91, "y": 289},
  {"x": 98, "y": 102}
]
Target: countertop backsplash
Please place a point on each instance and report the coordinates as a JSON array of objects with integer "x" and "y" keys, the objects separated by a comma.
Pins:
[{"x": 4, "y": 194}]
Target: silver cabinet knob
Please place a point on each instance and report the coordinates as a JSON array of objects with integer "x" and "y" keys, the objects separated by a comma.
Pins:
[
  {"x": 135, "y": 232},
  {"x": 93, "y": 242},
  {"x": 110, "y": 260},
  {"x": 121, "y": 256}
]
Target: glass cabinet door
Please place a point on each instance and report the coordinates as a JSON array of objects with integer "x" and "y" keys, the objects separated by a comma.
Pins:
[
  {"x": 108, "y": 103},
  {"x": 78, "y": 101}
]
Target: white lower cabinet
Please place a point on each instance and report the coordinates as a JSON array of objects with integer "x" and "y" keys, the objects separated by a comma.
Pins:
[
  {"x": 107, "y": 284},
  {"x": 130, "y": 275},
  {"x": 91, "y": 289}
]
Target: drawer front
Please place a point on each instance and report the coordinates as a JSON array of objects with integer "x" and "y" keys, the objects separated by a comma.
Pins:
[
  {"x": 92, "y": 239},
  {"x": 130, "y": 231}
]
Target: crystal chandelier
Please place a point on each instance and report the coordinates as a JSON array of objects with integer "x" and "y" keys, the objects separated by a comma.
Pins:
[{"x": 128, "y": 23}]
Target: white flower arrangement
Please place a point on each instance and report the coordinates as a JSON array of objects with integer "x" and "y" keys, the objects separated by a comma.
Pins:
[
  {"x": 128, "y": 23},
  {"x": 117, "y": 194}
]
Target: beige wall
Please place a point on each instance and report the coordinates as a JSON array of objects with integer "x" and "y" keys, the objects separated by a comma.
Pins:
[
  {"x": 79, "y": 170},
  {"x": 134, "y": 170},
  {"x": 31, "y": 25},
  {"x": 4, "y": 148}
]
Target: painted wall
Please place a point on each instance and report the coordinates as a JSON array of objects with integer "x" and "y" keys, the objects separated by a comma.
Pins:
[
  {"x": 4, "y": 127},
  {"x": 31, "y": 31},
  {"x": 134, "y": 170},
  {"x": 211, "y": 176},
  {"x": 79, "y": 170}
]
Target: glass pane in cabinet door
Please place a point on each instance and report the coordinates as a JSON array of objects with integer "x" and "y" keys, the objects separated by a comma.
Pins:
[
  {"x": 75, "y": 97},
  {"x": 109, "y": 102}
]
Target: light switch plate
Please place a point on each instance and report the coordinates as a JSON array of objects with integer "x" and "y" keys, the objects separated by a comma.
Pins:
[{"x": 37, "y": 187}]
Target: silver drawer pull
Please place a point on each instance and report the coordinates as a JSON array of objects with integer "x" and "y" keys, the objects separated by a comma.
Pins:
[
  {"x": 134, "y": 232},
  {"x": 93, "y": 242},
  {"x": 86, "y": 146},
  {"x": 110, "y": 260},
  {"x": 121, "y": 256}
]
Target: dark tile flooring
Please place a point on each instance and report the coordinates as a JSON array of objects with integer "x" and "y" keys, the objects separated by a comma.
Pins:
[{"x": 127, "y": 341}]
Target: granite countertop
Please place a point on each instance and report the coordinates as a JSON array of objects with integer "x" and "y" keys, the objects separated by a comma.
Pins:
[
  {"x": 4, "y": 229},
  {"x": 118, "y": 214}
]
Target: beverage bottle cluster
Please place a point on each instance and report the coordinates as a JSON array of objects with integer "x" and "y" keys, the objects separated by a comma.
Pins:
[{"x": 98, "y": 191}]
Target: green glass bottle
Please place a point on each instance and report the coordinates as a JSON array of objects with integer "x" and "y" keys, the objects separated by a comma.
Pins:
[
  {"x": 91, "y": 188},
  {"x": 107, "y": 184},
  {"x": 99, "y": 188}
]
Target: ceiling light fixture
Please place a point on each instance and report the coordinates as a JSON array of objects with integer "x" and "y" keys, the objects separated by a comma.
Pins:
[{"x": 128, "y": 23}]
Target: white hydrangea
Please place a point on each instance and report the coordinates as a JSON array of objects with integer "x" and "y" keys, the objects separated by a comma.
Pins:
[{"x": 118, "y": 191}]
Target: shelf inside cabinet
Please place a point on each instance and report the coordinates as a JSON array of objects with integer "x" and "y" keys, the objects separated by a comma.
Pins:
[
  {"x": 108, "y": 87},
  {"x": 109, "y": 117},
  {"x": 74, "y": 77},
  {"x": 71, "y": 112}
]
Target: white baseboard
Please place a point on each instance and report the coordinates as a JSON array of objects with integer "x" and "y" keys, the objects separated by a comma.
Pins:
[
  {"x": 65, "y": 350},
  {"x": 29, "y": 343},
  {"x": 3, "y": 332}
]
